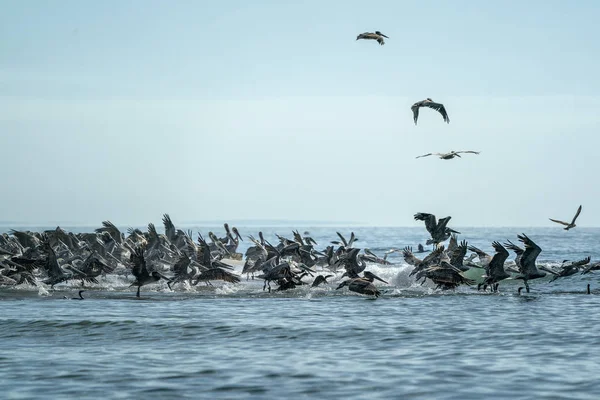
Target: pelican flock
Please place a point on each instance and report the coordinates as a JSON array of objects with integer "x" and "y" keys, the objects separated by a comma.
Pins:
[
  {"x": 173, "y": 259},
  {"x": 57, "y": 257}
]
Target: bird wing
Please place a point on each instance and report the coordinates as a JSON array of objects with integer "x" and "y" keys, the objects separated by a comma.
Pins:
[
  {"x": 576, "y": 215},
  {"x": 139, "y": 264},
  {"x": 582, "y": 262},
  {"x": 439, "y": 107},
  {"x": 109, "y": 227},
  {"x": 415, "y": 110},
  {"x": 480, "y": 253},
  {"x": 442, "y": 222},
  {"x": 409, "y": 257},
  {"x": 510, "y": 245},
  {"x": 531, "y": 252},
  {"x": 425, "y": 155},
  {"x": 429, "y": 219},
  {"x": 343, "y": 239},
  {"x": 468, "y": 151},
  {"x": 352, "y": 239},
  {"x": 559, "y": 222},
  {"x": 496, "y": 265}
]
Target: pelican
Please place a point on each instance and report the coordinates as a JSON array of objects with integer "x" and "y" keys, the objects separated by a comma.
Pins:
[
  {"x": 431, "y": 104},
  {"x": 373, "y": 36},
  {"x": 495, "y": 268},
  {"x": 567, "y": 269},
  {"x": 437, "y": 228},
  {"x": 568, "y": 225},
  {"x": 445, "y": 276},
  {"x": 141, "y": 273},
  {"x": 450, "y": 155},
  {"x": 527, "y": 268},
  {"x": 457, "y": 256}
]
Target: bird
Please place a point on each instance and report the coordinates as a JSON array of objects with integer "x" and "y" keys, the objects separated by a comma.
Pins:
[
  {"x": 567, "y": 268},
  {"x": 373, "y": 36},
  {"x": 568, "y": 225},
  {"x": 431, "y": 104},
  {"x": 360, "y": 285},
  {"x": 140, "y": 271},
  {"x": 527, "y": 268},
  {"x": 450, "y": 155},
  {"x": 495, "y": 268},
  {"x": 437, "y": 228}
]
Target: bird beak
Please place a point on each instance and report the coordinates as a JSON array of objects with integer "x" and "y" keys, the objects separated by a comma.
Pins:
[
  {"x": 384, "y": 36},
  {"x": 378, "y": 278},
  {"x": 341, "y": 285}
]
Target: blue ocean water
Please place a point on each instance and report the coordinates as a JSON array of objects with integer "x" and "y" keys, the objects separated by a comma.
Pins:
[{"x": 237, "y": 341}]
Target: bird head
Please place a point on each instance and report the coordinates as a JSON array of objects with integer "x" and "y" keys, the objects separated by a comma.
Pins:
[{"x": 237, "y": 233}]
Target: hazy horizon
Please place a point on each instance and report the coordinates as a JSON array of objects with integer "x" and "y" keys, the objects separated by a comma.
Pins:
[{"x": 271, "y": 110}]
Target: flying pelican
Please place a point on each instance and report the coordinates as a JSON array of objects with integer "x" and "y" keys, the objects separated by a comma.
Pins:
[
  {"x": 527, "y": 267},
  {"x": 437, "y": 228},
  {"x": 450, "y": 155},
  {"x": 141, "y": 273},
  {"x": 373, "y": 36},
  {"x": 568, "y": 225},
  {"x": 567, "y": 268},
  {"x": 495, "y": 268},
  {"x": 431, "y": 104}
]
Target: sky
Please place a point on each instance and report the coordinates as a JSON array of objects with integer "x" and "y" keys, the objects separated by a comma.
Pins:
[{"x": 238, "y": 110}]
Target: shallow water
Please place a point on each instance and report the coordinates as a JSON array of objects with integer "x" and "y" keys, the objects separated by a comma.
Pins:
[{"x": 236, "y": 341}]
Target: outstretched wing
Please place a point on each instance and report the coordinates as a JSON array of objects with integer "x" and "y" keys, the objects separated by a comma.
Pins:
[
  {"x": 559, "y": 222},
  {"x": 425, "y": 155},
  {"x": 169, "y": 227},
  {"x": 576, "y": 215},
  {"x": 415, "y": 110},
  {"x": 429, "y": 219},
  {"x": 439, "y": 107},
  {"x": 468, "y": 151},
  {"x": 531, "y": 252},
  {"x": 496, "y": 265}
]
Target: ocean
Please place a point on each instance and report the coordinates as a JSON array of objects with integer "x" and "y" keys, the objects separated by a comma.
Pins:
[{"x": 236, "y": 341}]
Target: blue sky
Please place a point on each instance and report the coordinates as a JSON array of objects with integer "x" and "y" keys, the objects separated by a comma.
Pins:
[{"x": 124, "y": 110}]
